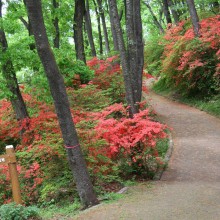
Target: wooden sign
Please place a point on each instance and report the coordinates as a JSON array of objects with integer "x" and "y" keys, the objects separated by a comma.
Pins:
[{"x": 10, "y": 160}]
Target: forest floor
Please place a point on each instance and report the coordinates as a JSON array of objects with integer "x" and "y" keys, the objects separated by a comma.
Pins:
[{"x": 190, "y": 188}]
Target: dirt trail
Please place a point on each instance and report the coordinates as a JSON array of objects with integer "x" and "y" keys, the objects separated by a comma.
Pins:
[{"x": 190, "y": 188}]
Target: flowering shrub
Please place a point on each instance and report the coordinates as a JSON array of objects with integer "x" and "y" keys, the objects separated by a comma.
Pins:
[
  {"x": 111, "y": 142},
  {"x": 108, "y": 77},
  {"x": 192, "y": 64},
  {"x": 130, "y": 139}
]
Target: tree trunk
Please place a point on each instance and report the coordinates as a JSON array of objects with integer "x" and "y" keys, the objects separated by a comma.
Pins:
[
  {"x": 88, "y": 25},
  {"x": 99, "y": 28},
  {"x": 194, "y": 17},
  {"x": 10, "y": 77},
  {"x": 174, "y": 12},
  {"x": 156, "y": 22},
  {"x": 166, "y": 11},
  {"x": 55, "y": 20},
  {"x": 78, "y": 29},
  {"x": 124, "y": 58},
  {"x": 102, "y": 15},
  {"x": 135, "y": 46},
  {"x": 29, "y": 28},
  {"x": 114, "y": 34},
  {"x": 58, "y": 91},
  {"x": 215, "y": 7}
]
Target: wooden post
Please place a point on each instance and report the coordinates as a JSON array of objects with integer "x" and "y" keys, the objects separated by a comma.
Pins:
[{"x": 11, "y": 160}]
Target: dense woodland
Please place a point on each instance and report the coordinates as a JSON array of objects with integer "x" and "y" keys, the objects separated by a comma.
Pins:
[{"x": 72, "y": 79}]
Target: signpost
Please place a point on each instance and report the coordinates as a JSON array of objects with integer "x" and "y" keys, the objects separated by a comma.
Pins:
[{"x": 10, "y": 160}]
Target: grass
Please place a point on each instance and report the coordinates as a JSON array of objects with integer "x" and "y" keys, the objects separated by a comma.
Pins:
[
  {"x": 60, "y": 212},
  {"x": 66, "y": 211},
  {"x": 162, "y": 147},
  {"x": 210, "y": 105}
]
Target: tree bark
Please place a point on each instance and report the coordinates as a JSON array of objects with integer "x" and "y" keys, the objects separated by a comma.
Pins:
[
  {"x": 78, "y": 29},
  {"x": 124, "y": 58},
  {"x": 156, "y": 22},
  {"x": 102, "y": 15},
  {"x": 58, "y": 91},
  {"x": 9, "y": 74},
  {"x": 216, "y": 7},
  {"x": 194, "y": 17},
  {"x": 167, "y": 11},
  {"x": 55, "y": 20},
  {"x": 88, "y": 26},
  {"x": 135, "y": 46},
  {"x": 174, "y": 12},
  {"x": 114, "y": 34},
  {"x": 99, "y": 27},
  {"x": 29, "y": 28}
]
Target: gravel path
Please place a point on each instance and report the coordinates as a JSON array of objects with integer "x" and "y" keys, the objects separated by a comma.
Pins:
[{"x": 190, "y": 187}]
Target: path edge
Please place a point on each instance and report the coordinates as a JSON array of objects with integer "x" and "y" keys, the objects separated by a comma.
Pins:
[{"x": 167, "y": 157}]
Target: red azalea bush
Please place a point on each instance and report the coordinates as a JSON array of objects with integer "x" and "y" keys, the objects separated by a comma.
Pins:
[
  {"x": 192, "y": 64},
  {"x": 112, "y": 143},
  {"x": 108, "y": 76}
]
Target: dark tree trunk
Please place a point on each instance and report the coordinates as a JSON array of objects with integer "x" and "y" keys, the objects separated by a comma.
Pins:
[
  {"x": 10, "y": 77},
  {"x": 88, "y": 25},
  {"x": 29, "y": 28},
  {"x": 114, "y": 34},
  {"x": 194, "y": 17},
  {"x": 56, "y": 40},
  {"x": 99, "y": 28},
  {"x": 156, "y": 22},
  {"x": 58, "y": 91},
  {"x": 215, "y": 7},
  {"x": 124, "y": 58},
  {"x": 78, "y": 29},
  {"x": 174, "y": 12},
  {"x": 105, "y": 31},
  {"x": 135, "y": 46},
  {"x": 166, "y": 11}
]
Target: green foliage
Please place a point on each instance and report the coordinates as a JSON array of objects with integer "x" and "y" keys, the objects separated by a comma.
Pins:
[
  {"x": 12, "y": 211},
  {"x": 65, "y": 210},
  {"x": 189, "y": 64},
  {"x": 89, "y": 97},
  {"x": 70, "y": 67},
  {"x": 153, "y": 51}
]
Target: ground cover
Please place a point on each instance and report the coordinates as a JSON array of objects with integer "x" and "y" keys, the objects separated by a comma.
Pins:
[{"x": 116, "y": 147}]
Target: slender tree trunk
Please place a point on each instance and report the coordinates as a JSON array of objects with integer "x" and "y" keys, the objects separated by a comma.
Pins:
[
  {"x": 10, "y": 77},
  {"x": 99, "y": 28},
  {"x": 114, "y": 34},
  {"x": 216, "y": 7},
  {"x": 56, "y": 40},
  {"x": 58, "y": 91},
  {"x": 29, "y": 28},
  {"x": 88, "y": 25},
  {"x": 156, "y": 22},
  {"x": 135, "y": 46},
  {"x": 174, "y": 12},
  {"x": 102, "y": 15},
  {"x": 194, "y": 17},
  {"x": 124, "y": 58},
  {"x": 166, "y": 11},
  {"x": 78, "y": 29}
]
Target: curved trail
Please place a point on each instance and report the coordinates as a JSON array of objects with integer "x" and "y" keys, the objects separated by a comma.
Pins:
[{"x": 190, "y": 188}]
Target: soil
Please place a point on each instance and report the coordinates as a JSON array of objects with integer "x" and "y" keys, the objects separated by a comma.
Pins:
[{"x": 190, "y": 188}]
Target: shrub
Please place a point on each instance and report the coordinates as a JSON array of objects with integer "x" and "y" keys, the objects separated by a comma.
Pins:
[
  {"x": 130, "y": 141},
  {"x": 109, "y": 139},
  {"x": 188, "y": 64},
  {"x": 12, "y": 211},
  {"x": 108, "y": 77},
  {"x": 191, "y": 63}
]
